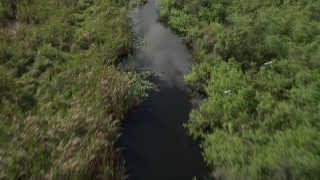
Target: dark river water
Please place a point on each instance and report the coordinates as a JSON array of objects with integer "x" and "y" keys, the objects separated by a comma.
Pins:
[{"x": 155, "y": 144}]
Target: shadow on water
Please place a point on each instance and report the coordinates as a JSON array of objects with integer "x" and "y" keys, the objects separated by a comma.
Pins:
[{"x": 155, "y": 144}]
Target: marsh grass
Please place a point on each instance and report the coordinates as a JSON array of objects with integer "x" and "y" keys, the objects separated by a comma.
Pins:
[{"x": 62, "y": 96}]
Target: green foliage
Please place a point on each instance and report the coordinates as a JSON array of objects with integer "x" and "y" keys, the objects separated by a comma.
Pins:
[
  {"x": 257, "y": 63},
  {"x": 62, "y": 95},
  {"x": 223, "y": 150},
  {"x": 180, "y": 21},
  {"x": 293, "y": 153}
]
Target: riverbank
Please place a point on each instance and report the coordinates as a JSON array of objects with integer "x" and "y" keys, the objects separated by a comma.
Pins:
[
  {"x": 257, "y": 64},
  {"x": 62, "y": 94}
]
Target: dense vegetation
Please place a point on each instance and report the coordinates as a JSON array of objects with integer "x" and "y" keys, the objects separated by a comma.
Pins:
[
  {"x": 258, "y": 65},
  {"x": 62, "y": 93}
]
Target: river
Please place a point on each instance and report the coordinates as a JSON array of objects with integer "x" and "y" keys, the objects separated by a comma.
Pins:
[{"x": 155, "y": 144}]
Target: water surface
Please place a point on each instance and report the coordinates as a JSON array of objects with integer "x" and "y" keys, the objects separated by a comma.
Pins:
[{"x": 155, "y": 144}]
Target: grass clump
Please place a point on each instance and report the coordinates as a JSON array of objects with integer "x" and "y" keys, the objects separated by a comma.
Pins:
[
  {"x": 62, "y": 95},
  {"x": 257, "y": 64},
  {"x": 8, "y": 9}
]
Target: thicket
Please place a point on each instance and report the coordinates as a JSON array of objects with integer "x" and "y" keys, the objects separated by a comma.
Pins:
[
  {"x": 258, "y": 65},
  {"x": 61, "y": 91}
]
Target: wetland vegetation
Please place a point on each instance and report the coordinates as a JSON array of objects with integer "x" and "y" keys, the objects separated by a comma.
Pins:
[
  {"x": 62, "y": 94},
  {"x": 257, "y": 65}
]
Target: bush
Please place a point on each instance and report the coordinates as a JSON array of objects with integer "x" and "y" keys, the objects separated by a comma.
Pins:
[
  {"x": 292, "y": 154},
  {"x": 257, "y": 63}
]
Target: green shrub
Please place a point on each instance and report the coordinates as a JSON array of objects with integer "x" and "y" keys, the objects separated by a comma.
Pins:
[
  {"x": 257, "y": 64},
  {"x": 292, "y": 154}
]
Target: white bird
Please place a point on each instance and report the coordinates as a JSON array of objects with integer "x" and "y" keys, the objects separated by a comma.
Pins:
[{"x": 268, "y": 63}]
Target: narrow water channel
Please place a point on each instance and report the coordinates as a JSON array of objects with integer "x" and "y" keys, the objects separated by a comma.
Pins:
[{"x": 155, "y": 145}]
